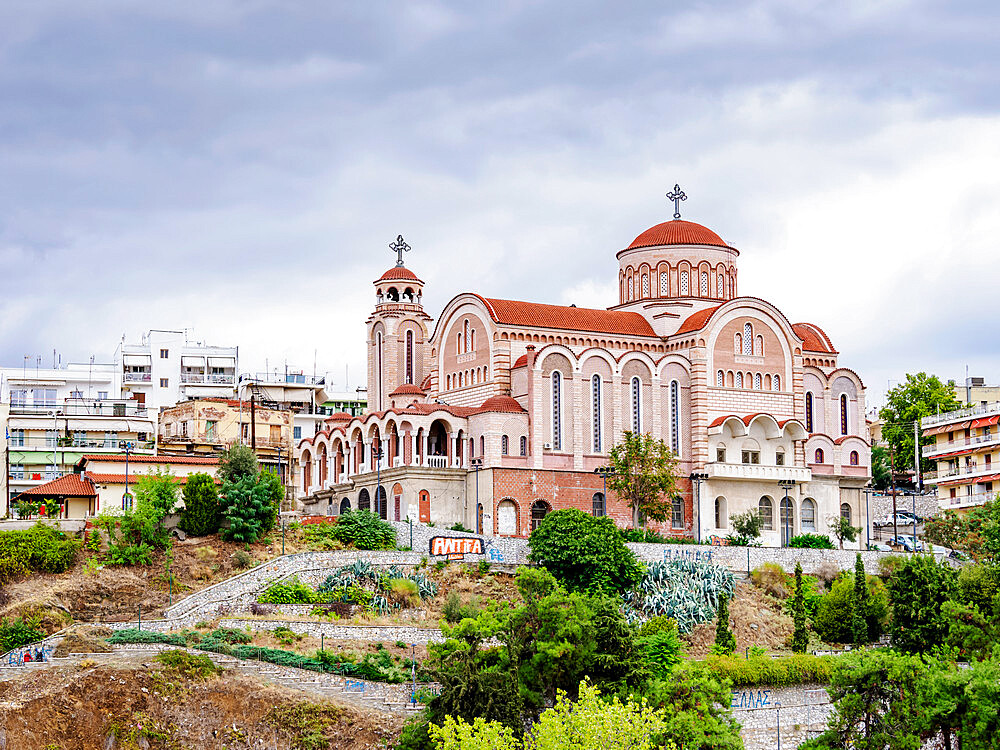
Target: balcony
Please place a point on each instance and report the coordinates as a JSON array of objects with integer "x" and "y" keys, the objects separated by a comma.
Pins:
[
  {"x": 975, "y": 441},
  {"x": 758, "y": 472},
  {"x": 965, "y": 501},
  {"x": 290, "y": 378},
  {"x": 200, "y": 378},
  {"x": 82, "y": 407},
  {"x": 137, "y": 377},
  {"x": 949, "y": 472},
  {"x": 987, "y": 410}
]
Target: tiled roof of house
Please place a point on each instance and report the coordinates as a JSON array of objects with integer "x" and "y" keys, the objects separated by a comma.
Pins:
[
  {"x": 814, "y": 339},
  {"x": 568, "y": 318},
  {"x": 71, "y": 485},
  {"x": 102, "y": 478},
  {"x": 120, "y": 458},
  {"x": 697, "y": 321},
  {"x": 677, "y": 232}
]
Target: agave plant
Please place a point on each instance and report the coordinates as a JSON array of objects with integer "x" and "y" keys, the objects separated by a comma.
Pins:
[{"x": 686, "y": 590}]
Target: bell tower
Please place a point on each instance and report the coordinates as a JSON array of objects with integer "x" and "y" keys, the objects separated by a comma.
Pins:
[{"x": 397, "y": 335}]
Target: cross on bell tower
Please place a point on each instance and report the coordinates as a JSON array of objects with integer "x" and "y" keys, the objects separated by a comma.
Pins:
[
  {"x": 399, "y": 247},
  {"x": 676, "y": 195}
]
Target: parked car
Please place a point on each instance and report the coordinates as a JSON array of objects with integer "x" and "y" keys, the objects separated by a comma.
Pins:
[
  {"x": 879, "y": 547},
  {"x": 903, "y": 518},
  {"x": 907, "y": 542}
]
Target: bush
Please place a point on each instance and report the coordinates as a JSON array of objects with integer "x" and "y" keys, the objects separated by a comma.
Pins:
[
  {"x": 405, "y": 591},
  {"x": 250, "y": 504},
  {"x": 230, "y": 635},
  {"x": 19, "y": 632},
  {"x": 460, "y": 527},
  {"x": 887, "y": 566},
  {"x": 584, "y": 553},
  {"x": 134, "y": 635},
  {"x": 243, "y": 559},
  {"x": 286, "y": 635},
  {"x": 978, "y": 586},
  {"x": 202, "y": 514},
  {"x": 919, "y": 587},
  {"x": 661, "y": 648},
  {"x": 455, "y": 610},
  {"x": 322, "y": 536},
  {"x": 129, "y": 554},
  {"x": 290, "y": 592},
  {"x": 773, "y": 579},
  {"x": 41, "y": 548},
  {"x": 811, "y": 541},
  {"x": 189, "y": 666},
  {"x": 762, "y": 670},
  {"x": 833, "y": 616},
  {"x": 365, "y": 530}
]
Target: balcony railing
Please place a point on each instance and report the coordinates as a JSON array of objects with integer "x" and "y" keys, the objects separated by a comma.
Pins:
[
  {"x": 198, "y": 378},
  {"x": 284, "y": 378},
  {"x": 961, "y": 471},
  {"x": 71, "y": 443},
  {"x": 82, "y": 407},
  {"x": 975, "y": 440},
  {"x": 27, "y": 475},
  {"x": 953, "y": 416},
  {"x": 966, "y": 501},
  {"x": 758, "y": 472},
  {"x": 138, "y": 377}
]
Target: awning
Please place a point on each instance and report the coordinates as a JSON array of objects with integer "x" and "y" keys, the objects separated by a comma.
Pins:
[
  {"x": 937, "y": 430},
  {"x": 187, "y": 361},
  {"x": 991, "y": 478},
  {"x": 227, "y": 362},
  {"x": 140, "y": 360},
  {"x": 984, "y": 421},
  {"x": 963, "y": 451}
]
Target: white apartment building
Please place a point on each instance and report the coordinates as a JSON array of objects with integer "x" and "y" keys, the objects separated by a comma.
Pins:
[
  {"x": 53, "y": 416},
  {"x": 165, "y": 367}
]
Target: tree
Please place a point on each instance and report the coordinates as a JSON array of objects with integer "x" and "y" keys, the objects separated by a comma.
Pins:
[
  {"x": 746, "y": 529},
  {"x": 250, "y": 506},
  {"x": 645, "y": 476},
  {"x": 921, "y": 395},
  {"x": 860, "y": 604},
  {"x": 841, "y": 528},
  {"x": 800, "y": 638},
  {"x": 971, "y": 633},
  {"x": 584, "y": 553},
  {"x": 918, "y": 589},
  {"x": 976, "y": 532},
  {"x": 697, "y": 707},
  {"x": 881, "y": 479},
  {"x": 618, "y": 655},
  {"x": 834, "y": 614},
  {"x": 725, "y": 641},
  {"x": 236, "y": 462},
  {"x": 202, "y": 514},
  {"x": 661, "y": 645}
]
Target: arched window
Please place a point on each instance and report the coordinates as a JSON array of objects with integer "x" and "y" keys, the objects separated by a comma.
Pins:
[
  {"x": 758, "y": 346},
  {"x": 465, "y": 328},
  {"x": 720, "y": 379},
  {"x": 845, "y": 512},
  {"x": 486, "y": 372},
  {"x": 729, "y": 379},
  {"x": 766, "y": 509},
  {"x": 631, "y": 288},
  {"x": 636, "y": 405},
  {"x": 739, "y": 380},
  {"x": 747, "y": 338},
  {"x": 675, "y": 417},
  {"x": 684, "y": 283},
  {"x": 524, "y": 445},
  {"x": 721, "y": 516},
  {"x": 409, "y": 357},
  {"x": 767, "y": 382},
  {"x": 645, "y": 286},
  {"x": 504, "y": 445},
  {"x": 809, "y": 411},
  {"x": 779, "y": 457},
  {"x": 843, "y": 413},
  {"x": 364, "y": 500},
  {"x": 819, "y": 456},
  {"x": 719, "y": 291},
  {"x": 739, "y": 344},
  {"x": 539, "y": 509},
  {"x": 808, "y": 515},
  {"x": 482, "y": 445},
  {"x": 458, "y": 343},
  {"x": 787, "y": 518},
  {"x": 556, "y": 410},
  {"x": 664, "y": 284},
  {"x": 345, "y": 506},
  {"x": 595, "y": 411},
  {"x": 677, "y": 512},
  {"x": 598, "y": 505},
  {"x": 704, "y": 283},
  {"x": 776, "y": 383},
  {"x": 472, "y": 340},
  {"x": 378, "y": 365},
  {"x": 855, "y": 458},
  {"x": 756, "y": 382}
]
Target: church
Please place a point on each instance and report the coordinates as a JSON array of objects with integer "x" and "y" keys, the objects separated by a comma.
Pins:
[{"x": 500, "y": 411}]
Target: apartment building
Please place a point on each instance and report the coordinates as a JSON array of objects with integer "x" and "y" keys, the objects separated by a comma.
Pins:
[
  {"x": 975, "y": 391},
  {"x": 53, "y": 416},
  {"x": 165, "y": 367},
  {"x": 966, "y": 450}
]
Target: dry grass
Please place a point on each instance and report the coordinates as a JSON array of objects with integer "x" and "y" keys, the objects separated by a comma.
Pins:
[{"x": 750, "y": 607}]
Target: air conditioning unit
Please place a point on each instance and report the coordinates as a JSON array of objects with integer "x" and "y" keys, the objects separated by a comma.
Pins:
[{"x": 547, "y": 446}]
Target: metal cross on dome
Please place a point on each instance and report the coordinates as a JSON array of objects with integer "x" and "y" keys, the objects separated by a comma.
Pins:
[
  {"x": 399, "y": 247},
  {"x": 677, "y": 195}
]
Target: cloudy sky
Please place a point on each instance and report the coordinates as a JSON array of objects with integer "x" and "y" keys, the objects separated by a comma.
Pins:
[{"x": 238, "y": 167}]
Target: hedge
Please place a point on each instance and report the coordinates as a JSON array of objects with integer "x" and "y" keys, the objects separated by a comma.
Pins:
[{"x": 774, "y": 672}]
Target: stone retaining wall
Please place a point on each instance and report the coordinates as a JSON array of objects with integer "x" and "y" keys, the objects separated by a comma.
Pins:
[
  {"x": 803, "y": 709},
  {"x": 337, "y": 632}
]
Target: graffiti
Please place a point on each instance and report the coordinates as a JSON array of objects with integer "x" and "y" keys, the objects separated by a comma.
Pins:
[
  {"x": 29, "y": 654},
  {"x": 456, "y": 547},
  {"x": 718, "y": 541},
  {"x": 751, "y": 699},
  {"x": 493, "y": 553},
  {"x": 354, "y": 686},
  {"x": 687, "y": 554}
]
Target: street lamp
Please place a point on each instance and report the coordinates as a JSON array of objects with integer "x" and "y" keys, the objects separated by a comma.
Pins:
[
  {"x": 377, "y": 454},
  {"x": 477, "y": 464},
  {"x": 604, "y": 472},
  {"x": 698, "y": 477},
  {"x": 785, "y": 484}
]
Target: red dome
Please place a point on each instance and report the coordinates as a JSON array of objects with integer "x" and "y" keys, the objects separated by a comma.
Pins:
[
  {"x": 399, "y": 272},
  {"x": 677, "y": 232},
  {"x": 340, "y": 416},
  {"x": 408, "y": 390},
  {"x": 501, "y": 404}
]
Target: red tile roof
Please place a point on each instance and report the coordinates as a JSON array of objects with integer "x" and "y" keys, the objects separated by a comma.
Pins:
[
  {"x": 340, "y": 416},
  {"x": 814, "y": 339},
  {"x": 408, "y": 390},
  {"x": 120, "y": 458},
  {"x": 102, "y": 478},
  {"x": 677, "y": 232},
  {"x": 501, "y": 404},
  {"x": 536, "y": 315},
  {"x": 71, "y": 485},
  {"x": 697, "y": 321},
  {"x": 399, "y": 272},
  {"x": 521, "y": 361}
]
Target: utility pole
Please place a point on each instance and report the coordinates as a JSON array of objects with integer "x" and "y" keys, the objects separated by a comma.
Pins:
[
  {"x": 253, "y": 420},
  {"x": 892, "y": 478},
  {"x": 918, "y": 479}
]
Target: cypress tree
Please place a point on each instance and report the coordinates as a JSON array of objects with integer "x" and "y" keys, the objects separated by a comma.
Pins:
[
  {"x": 800, "y": 638},
  {"x": 202, "y": 514},
  {"x": 859, "y": 604},
  {"x": 725, "y": 641}
]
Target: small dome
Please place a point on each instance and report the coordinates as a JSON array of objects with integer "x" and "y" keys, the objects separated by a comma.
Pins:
[
  {"x": 340, "y": 416},
  {"x": 677, "y": 232},
  {"x": 501, "y": 404},
  {"x": 408, "y": 390},
  {"x": 397, "y": 273}
]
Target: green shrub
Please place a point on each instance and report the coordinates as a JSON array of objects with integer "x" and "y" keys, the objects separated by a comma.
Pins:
[
  {"x": 321, "y": 536},
  {"x": 686, "y": 590},
  {"x": 286, "y": 635},
  {"x": 455, "y": 610},
  {"x": 202, "y": 512},
  {"x": 41, "y": 548},
  {"x": 655, "y": 625},
  {"x": 189, "y": 666},
  {"x": 230, "y": 635},
  {"x": 19, "y": 632},
  {"x": 662, "y": 650},
  {"x": 134, "y": 635},
  {"x": 774, "y": 672},
  {"x": 773, "y": 579},
  {"x": 483, "y": 568},
  {"x": 978, "y": 585},
  {"x": 405, "y": 591},
  {"x": 129, "y": 554},
  {"x": 811, "y": 541},
  {"x": 585, "y": 554},
  {"x": 833, "y": 615},
  {"x": 919, "y": 587},
  {"x": 243, "y": 559},
  {"x": 250, "y": 505},
  {"x": 365, "y": 530},
  {"x": 889, "y": 565},
  {"x": 290, "y": 592},
  {"x": 460, "y": 527}
]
